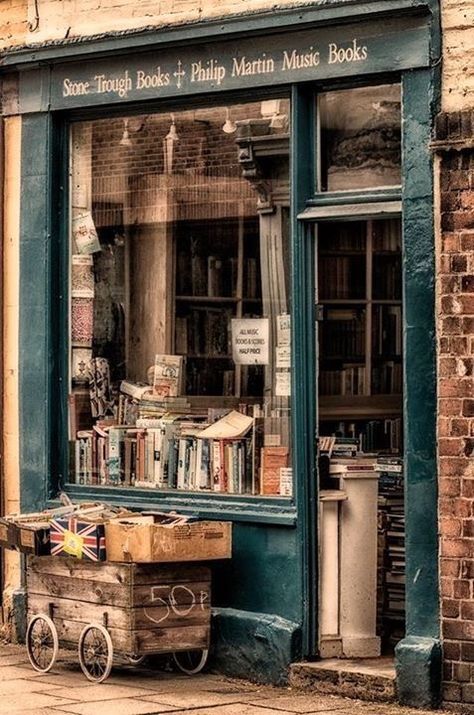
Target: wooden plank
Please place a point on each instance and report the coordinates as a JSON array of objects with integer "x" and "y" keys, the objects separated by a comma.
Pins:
[
  {"x": 174, "y": 572},
  {"x": 88, "y": 570},
  {"x": 180, "y": 594},
  {"x": 151, "y": 617},
  {"x": 165, "y": 640},
  {"x": 79, "y": 590}
]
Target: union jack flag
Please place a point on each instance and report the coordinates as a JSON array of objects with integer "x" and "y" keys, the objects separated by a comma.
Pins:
[{"x": 72, "y": 537}]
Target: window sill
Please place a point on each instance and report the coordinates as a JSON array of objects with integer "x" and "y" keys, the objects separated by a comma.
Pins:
[{"x": 231, "y": 507}]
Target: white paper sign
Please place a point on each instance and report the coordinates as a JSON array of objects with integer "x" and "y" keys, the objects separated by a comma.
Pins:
[
  {"x": 283, "y": 330},
  {"x": 283, "y": 356},
  {"x": 282, "y": 384},
  {"x": 84, "y": 233},
  {"x": 250, "y": 341},
  {"x": 286, "y": 481}
]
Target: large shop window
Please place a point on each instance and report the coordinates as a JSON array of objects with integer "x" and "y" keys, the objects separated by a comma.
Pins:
[{"x": 180, "y": 301}]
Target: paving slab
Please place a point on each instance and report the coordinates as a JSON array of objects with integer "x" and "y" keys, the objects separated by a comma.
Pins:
[
  {"x": 237, "y": 709},
  {"x": 23, "y": 685},
  {"x": 36, "y": 701},
  {"x": 121, "y": 706},
  {"x": 9, "y": 672},
  {"x": 100, "y": 692},
  {"x": 199, "y": 699},
  {"x": 296, "y": 703}
]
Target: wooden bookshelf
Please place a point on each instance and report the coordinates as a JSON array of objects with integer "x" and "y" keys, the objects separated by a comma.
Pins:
[{"x": 360, "y": 326}]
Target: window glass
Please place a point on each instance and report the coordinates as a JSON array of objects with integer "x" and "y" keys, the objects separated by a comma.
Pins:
[
  {"x": 360, "y": 138},
  {"x": 180, "y": 300}
]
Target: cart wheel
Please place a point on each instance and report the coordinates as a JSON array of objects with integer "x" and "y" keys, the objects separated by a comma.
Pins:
[
  {"x": 135, "y": 659},
  {"x": 95, "y": 652},
  {"x": 42, "y": 643},
  {"x": 191, "y": 661}
]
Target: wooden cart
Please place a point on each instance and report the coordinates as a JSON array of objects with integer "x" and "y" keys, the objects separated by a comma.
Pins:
[{"x": 127, "y": 609}]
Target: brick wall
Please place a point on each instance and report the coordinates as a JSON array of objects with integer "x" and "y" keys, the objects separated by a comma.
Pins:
[{"x": 456, "y": 401}]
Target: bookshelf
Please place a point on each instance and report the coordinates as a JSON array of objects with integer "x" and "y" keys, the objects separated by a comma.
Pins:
[
  {"x": 360, "y": 329},
  {"x": 217, "y": 279}
]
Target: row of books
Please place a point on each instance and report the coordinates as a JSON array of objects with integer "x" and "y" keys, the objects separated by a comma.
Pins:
[
  {"x": 349, "y": 380},
  {"x": 387, "y": 277},
  {"x": 341, "y": 277},
  {"x": 183, "y": 451},
  {"x": 215, "y": 276},
  {"x": 342, "y": 333},
  {"x": 387, "y": 378},
  {"x": 392, "y": 537},
  {"x": 387, "y": 330},
  {"x": 382, "y": 435},
  {"x": 204, "y": 331}
]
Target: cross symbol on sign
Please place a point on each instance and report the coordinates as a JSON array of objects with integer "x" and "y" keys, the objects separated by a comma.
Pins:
[{"x": 179, "y": 74}]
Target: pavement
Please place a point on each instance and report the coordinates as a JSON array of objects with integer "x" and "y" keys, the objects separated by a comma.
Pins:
[{"x": 146, "y": 691}]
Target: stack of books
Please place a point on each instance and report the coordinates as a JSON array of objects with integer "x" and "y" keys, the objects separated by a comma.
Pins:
[{"x": 392, "y": 533}]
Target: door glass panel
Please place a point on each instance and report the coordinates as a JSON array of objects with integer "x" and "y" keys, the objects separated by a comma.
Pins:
[{"x": 360, "y": 138}]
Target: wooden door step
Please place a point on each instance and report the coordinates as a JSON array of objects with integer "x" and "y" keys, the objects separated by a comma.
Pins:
[{"x": 370, "y": 679}]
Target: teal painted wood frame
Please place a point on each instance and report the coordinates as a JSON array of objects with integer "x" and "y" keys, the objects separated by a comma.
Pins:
[
  {"x": 303, "y": 356},
  {"x": 420, "y": 404}
]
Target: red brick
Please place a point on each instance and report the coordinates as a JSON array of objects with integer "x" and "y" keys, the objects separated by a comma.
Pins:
[
  {"x": 459, "y": 427},
  {"x": 469, "y": 447},
  {"x": 452, "y": 650},
  {"x": 458, "y": 629},
  {"x": 447, "y": 367},
  {"x": 450, "y": 526},
  {"x": 446, "y": 587},
  {"x": 462, "y": 219},
  {"x": 453, "y": 466},
  {"x": 468, "y": 408},
  {"x": 452, "y": 692},
  {"x": 455, "y": 507},
  {"x": 450, "y": 407},
  {"x": 467, "y": 651},
  {"x": 467, "y": 282},
  {"x": 467, "y": 325},
  {"x": 467, "y": 568},
  {"x": 459, "y": 346},
  {"x": 450, "y": 284},
  {"x": 461, "y": 672},
  {"x": 450, "y": 487},
  {"x": 456, "y": 387},
  {"x": 458, "y": 263},
  {"x": 462, "y": 589},
  {"x": 468, "y": 527},
  {"x": 456, "y": 547},
  {"x": 467, "y": 488},
  {"x": 467, "y": 610},
  {"x": 450, "y": 567},
  {"x": 451, "y": 447},
  {"x": 466, "y": 301},
  {"x": 449, "y": 241},
  {"x": 467, "y": 241},
  {"x": 451, "y": 326},
  {"x": 450, "y": 608}
]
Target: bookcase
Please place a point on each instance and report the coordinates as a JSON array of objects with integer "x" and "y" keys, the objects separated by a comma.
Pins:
[
  {"x": 360, "y": 331},
  {"x": 217, "y": 279}
]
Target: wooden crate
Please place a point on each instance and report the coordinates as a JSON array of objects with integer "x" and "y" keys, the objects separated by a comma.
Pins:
[{"x": 147, "y": 608}]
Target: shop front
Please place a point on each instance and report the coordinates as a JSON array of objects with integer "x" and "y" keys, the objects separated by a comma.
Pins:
[{"x": 226, "y": 279}]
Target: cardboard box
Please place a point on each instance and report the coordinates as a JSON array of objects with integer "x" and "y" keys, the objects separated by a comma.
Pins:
[
  {"x": 7, "y": 534},
  {"x": 73, "y": 536},
  {"x": 154, "y": 539},
  {"x": 33, "y": 538}
]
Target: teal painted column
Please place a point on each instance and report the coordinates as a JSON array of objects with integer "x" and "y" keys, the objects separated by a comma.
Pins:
[
  {"x": 35, "y": 343},
  {"x": 418, "y": 656},
  {"x": 303, "y": 356}
]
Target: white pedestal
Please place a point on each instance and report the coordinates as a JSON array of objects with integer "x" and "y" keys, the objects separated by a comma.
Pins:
[
  {"x": 330, "y": 645},
  {"x": 358, "y": 574}
]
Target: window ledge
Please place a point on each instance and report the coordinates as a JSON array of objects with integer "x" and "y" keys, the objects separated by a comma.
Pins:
[{"x": 239, "y": 508}]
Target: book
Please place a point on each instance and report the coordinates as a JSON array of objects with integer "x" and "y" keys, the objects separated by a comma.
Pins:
[
  {"x": 273, "y": 459},
  {"x": 167, "y": 375}
]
